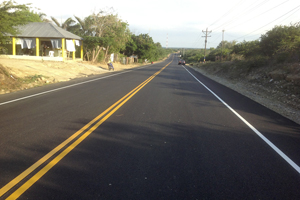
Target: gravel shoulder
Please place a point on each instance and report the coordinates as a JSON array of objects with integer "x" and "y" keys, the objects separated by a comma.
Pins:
[{"x": 261, "y": 88}]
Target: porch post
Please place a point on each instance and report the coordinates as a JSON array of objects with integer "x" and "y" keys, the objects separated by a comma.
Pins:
[
  {"x": 81, "y": 52},
  {"x": 74, "y": 51},
  {"x": 13, "y": 46},
  {"x": 37, "y": 46},
  {"x": 63, "y": 48}
]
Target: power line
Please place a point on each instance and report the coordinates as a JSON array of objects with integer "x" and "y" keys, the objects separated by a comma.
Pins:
[
  {"x": 271, "y": 22},
  {"x": 259, "y": 14},
  {"x": 196, "y": 41},
  {"x": 223, "y": 16},
  {"x": 216, "y": 39},
  {"x": 230, "y": 35},
  {"x": 226, "y": 13},
  {"x": 290, "y": 15},
  {"x": 268, "y": 23},
  {"x": 243, "y": 12},
  {"x": 198, "y": 38}
]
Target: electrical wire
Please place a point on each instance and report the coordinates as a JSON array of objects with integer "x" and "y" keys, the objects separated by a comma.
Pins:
[
  {"x": 197, "y": 40},
  {"x": 247, "y": 10},
  {"x": 259, "y": 15},
  {"x": 256, "y": 35},
  {"x": 199, "y": 36},
  {"x": 270, "y": 22},
  {"x": 216, "y": 39},
  {"x": 290, "y": 15},
  {"x": 226, "y": 13},
  {"x": 243, "y": 12}
]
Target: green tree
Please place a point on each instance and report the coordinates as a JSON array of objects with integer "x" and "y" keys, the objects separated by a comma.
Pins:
[
  {"x": 108, "y": 30},
  {"x": 31, "y": 16},
  {"x": 67, "y": 25},
  {"x": 225, "y": 48},
  {"x": 159, "y": 52},
  {"x": 130, "y": 47},
  {"x": 282, "y": 43},
  {"x": 84, "y": 26},
  {"x": 93, "y": 46},
  {"x": 280, "y": 38},
  {"x": 227, "y": 44},
  {"x": 247, "y": 49},
  {"x": 43, "y": 18},
  {"x": 145, "y": 46},
  {"x": 222, "y": 50},
  {"x": 13, "y": 15},
  {"x": 118, "y": 32},
  {"x": 194, "y": 55},
  {"x": 213, "y": 54}
]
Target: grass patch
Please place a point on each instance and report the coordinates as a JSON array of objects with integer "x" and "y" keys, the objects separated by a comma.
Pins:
[
  {"x": 33, "y": 79},
  {"x": 4, "y": 71},
  {"x": 10, "y": 82}
]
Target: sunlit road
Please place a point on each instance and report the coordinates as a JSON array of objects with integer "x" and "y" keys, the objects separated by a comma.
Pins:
[{"x": 162, "y": 131}]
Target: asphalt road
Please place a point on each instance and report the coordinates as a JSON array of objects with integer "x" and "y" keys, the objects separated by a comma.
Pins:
[{"x": 162, "y": 131}]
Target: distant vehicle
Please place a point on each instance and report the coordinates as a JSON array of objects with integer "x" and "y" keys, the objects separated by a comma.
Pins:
[{"x": 181, "y": 62}]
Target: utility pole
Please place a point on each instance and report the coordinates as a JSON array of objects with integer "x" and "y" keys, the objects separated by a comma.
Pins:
[
  {"x": 222, "y": 45},
  {"x": 206, "y": 35}
]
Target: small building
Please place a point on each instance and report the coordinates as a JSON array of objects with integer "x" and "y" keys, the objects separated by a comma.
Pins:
[{"x": 45, "y": 41}]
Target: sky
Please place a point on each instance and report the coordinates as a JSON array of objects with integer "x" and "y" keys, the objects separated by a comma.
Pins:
[{"x": 182, "y": 23}]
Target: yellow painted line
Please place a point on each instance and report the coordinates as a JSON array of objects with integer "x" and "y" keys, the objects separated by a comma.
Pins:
[
  {"x": 59, "y": 147},
  {"x": 16, "y": 180},
  {"x": 44, "y": 170}
]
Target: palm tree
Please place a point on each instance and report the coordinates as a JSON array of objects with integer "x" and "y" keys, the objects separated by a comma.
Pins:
[
  {"x": 67, "y": 25},
  {"x": 84, "y": 26},
  {"x": 42, "y": 17}
]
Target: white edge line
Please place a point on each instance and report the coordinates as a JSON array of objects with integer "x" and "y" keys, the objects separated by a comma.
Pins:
[
  {"x": 61, "y": 88},
  {"x": 276, "y": 149}
]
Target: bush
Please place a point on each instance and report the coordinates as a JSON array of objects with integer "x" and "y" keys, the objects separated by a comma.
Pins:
[
  {"x": 280, "y": 38},
  {"x": 282, "y": 57},
  {"x": 256, "y": 62}
]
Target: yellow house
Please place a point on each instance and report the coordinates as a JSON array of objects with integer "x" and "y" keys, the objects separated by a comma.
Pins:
[{"x": 45, "y": 41}]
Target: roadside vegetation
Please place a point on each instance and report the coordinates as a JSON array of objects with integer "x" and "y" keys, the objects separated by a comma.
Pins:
[
  {"x": 104, "y": 33},
  {"x": 266, "y": 70},
  {"x": 9, "y": 82},
  {"x": 279, "y": 45},
  {"x": 275, "y": 56}
]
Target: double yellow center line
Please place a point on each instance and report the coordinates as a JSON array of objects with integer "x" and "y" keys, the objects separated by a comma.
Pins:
[{"x": 89, "y": 128}]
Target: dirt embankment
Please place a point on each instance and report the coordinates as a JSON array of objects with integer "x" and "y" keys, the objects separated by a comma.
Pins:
[
  {"x": 23, "y": 74},
  {"x": 276, "y": 87}
]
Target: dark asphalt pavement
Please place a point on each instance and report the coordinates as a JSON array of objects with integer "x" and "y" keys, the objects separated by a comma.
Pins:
[{"x": 173, "y": 139}]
